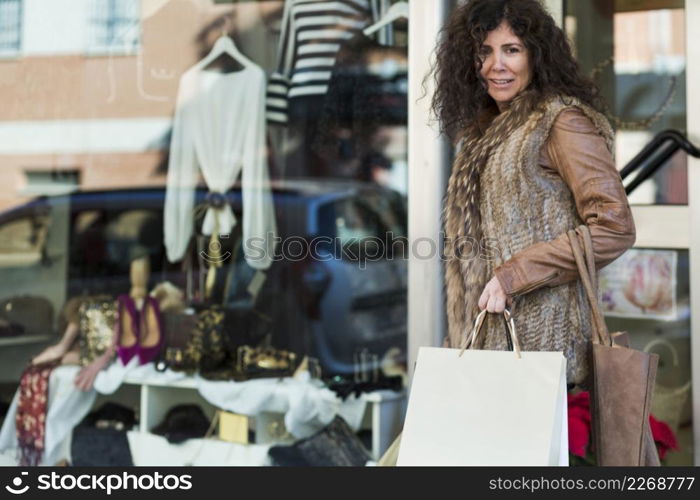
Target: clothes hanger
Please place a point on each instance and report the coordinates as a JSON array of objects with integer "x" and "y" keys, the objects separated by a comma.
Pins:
[
  {"x": 396, "y": 11},
  {"x": 224, "y": 45}
]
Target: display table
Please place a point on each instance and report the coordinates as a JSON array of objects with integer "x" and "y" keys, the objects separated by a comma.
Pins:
[{"x": 282, "y": 410}]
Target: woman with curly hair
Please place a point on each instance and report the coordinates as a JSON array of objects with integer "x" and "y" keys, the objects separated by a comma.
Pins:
[{"x": 535, "y": 160}]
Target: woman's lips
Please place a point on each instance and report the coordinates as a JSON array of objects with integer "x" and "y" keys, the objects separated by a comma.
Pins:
[{"x": 501, "y": 83}]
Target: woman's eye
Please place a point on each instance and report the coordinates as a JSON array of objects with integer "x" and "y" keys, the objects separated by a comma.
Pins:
[{"x": 512, "y": 50}]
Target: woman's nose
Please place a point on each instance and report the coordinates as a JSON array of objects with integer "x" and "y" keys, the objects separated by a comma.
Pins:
[{"x": 498, "y": 63}]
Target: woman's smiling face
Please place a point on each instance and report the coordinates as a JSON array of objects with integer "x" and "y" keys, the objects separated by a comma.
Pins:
[{"x": 505, "y": 65}]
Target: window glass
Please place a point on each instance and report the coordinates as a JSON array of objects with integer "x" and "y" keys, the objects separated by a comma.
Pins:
[
  {"x": 228, "y": 148},
  {"x": 636, "y": 53}
]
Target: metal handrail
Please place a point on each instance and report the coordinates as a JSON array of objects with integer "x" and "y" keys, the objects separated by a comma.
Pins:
[{"x": 661, "y": 148}]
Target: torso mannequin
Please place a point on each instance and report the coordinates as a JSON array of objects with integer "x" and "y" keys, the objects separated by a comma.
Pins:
[{"x": 138, "y": 274}]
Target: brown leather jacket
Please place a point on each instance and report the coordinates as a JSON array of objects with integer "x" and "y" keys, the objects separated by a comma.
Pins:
[{"x": 577, "y": 153}]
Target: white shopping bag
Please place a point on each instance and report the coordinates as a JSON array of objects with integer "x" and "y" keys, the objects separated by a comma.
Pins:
[{"x": 486, "y": 408}]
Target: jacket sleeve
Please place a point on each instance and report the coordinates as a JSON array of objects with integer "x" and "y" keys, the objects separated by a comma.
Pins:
[{"x": 580, "y": 156}]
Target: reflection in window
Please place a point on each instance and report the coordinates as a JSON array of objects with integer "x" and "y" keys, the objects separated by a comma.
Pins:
[
  {"x": 22, "y": 241},
  {"x": 114, "y": 24},
  {"x": 355, "y": 222},
  {"x": 649, "y": 90},
  {"x": 10, "y": 24},
  {"x": 636, "y": 53},
  {"x": 51, "y": 182}
]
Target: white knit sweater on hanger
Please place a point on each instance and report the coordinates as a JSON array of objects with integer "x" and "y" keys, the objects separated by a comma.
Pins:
[{"x": 219, "y": 128}]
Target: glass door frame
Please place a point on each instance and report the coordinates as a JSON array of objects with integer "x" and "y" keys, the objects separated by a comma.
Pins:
[{"x": 692, "y": 19}]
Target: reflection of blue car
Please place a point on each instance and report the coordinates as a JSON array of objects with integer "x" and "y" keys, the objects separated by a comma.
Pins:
[{"x": 345, "y": 292}]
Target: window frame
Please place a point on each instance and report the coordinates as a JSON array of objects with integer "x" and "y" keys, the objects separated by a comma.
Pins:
[
  {"x": 8, "y": 52},
  {"x": 105, "y": 15}
]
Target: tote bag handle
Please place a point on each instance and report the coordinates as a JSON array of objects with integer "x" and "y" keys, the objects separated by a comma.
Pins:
[
  {"x": 586, "y": 269},
  {"x": 470, "y": 341}
]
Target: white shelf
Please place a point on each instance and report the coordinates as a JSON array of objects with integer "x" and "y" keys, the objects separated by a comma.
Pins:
[
  {"x": 384, "y": 414},
  {"x": 24, "y": 339}
]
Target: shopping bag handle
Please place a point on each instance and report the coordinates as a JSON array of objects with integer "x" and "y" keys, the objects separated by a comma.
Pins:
[
  {"x": 587, "y": 272},
  {"x": 470, "y": 341}
]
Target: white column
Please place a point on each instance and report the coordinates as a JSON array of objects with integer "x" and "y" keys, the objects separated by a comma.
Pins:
[
  {"x": 692, "y": 20},
  {"x": 556, "y": 8},
  {"x": 427, "y": 175}
]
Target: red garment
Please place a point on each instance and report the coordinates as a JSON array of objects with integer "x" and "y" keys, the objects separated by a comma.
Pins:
[
  {"x": 30, "y": 419},
  {"x": 579, "y": 413},
  {"x": 664, "y": 437}
]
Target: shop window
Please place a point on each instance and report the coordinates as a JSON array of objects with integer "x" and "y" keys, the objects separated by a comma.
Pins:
[
  {"x": 341, "y": 183},
  {"x": 114, "y": 25},
  {"x": 10, "y": 25}
]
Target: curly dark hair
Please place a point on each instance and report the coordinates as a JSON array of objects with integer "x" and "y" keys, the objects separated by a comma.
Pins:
[{"x": 460, "y": 96}]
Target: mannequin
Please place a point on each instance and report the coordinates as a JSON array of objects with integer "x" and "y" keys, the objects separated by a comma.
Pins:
[{"x": 138, "y": 274}]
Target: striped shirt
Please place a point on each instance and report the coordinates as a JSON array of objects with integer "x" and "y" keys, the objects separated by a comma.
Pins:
[{"x": 312, "y": 33}]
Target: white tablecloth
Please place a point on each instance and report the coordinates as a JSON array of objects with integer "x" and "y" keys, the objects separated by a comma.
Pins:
[{"x": 306, "y": 404}]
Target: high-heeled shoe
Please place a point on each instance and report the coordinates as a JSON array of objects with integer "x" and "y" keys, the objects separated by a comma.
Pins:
[
  {"x": 152, "y": 339},
  {"x": 127, "y": 325}
]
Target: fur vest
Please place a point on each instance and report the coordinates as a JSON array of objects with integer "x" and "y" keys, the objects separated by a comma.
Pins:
[{"x": 500, "y": 201}]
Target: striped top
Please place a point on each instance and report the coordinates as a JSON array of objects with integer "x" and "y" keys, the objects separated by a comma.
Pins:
[{"x": 312, "y": 33}]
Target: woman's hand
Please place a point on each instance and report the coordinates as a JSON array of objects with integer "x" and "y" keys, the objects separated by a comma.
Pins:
[{"x": 493, "y": 298}]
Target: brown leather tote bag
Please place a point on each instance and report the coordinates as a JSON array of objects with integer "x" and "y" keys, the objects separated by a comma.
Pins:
[{"x": 622, "y": 379}]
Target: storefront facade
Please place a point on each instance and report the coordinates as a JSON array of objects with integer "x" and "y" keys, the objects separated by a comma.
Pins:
[{"x": 643, "y": 54}]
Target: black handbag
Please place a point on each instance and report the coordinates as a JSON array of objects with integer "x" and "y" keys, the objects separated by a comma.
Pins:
[
  {"x": 27, "y": 314},
  {"x": 336, "y": 445},
  {"x": 194, "y": 342},
  {"x": 179, "y": 353},
  {"x": 183, "y": 422},
  {"x": 93, "y": 447},
  {"x": 100, "y": 440}
]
